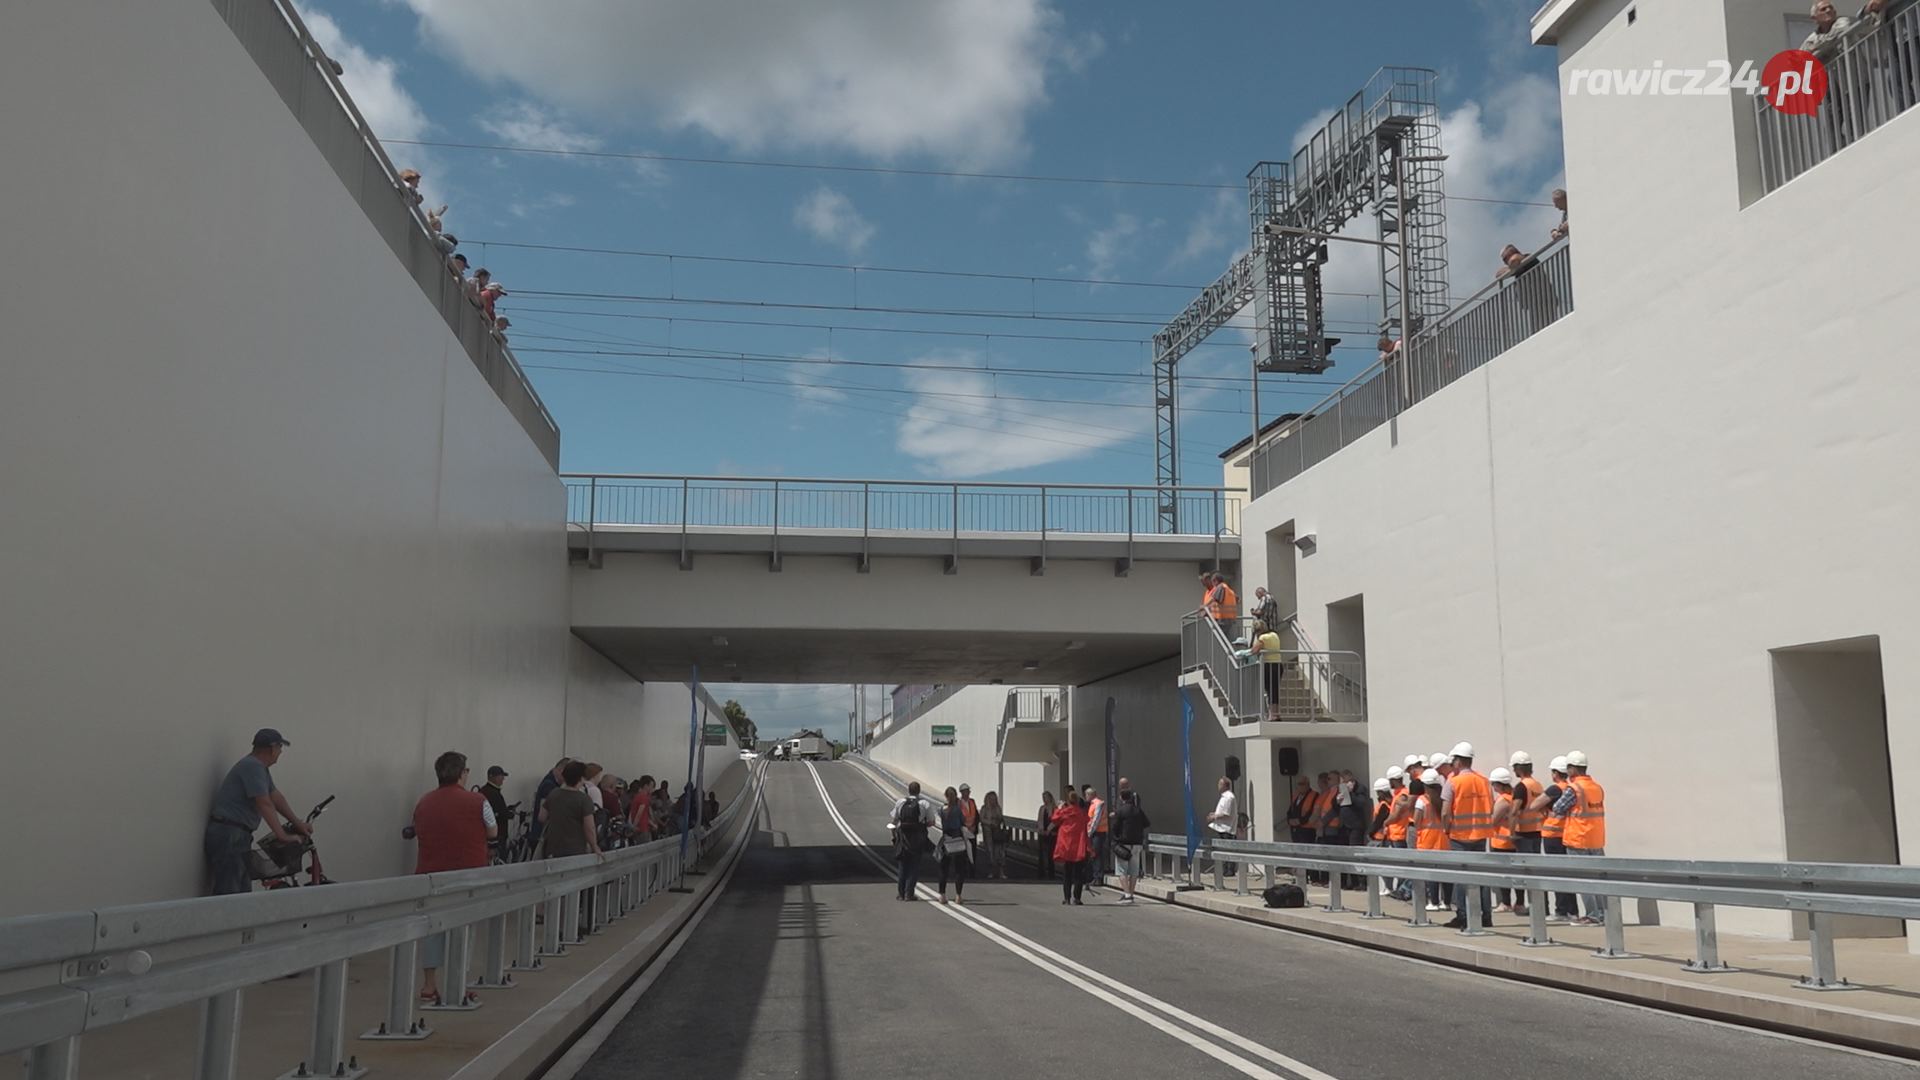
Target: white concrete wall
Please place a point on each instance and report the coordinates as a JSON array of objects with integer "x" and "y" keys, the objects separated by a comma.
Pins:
[
  {"x": 1595, "y": 541},
  {"x": 974, "y": 712},
  {"x": 250, "y": 477},
  {"x": 1147, "y": 722},
  {"x": 634, "y": 728}
]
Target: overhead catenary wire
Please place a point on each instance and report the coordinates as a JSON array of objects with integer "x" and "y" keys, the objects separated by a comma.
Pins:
[{"x": 883, "y": 170}]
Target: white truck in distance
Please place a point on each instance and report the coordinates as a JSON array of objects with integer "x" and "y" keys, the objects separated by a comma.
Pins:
[{"x": 811, "y": 747}]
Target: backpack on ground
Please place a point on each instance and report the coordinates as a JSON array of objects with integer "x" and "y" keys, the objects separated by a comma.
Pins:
[{"x": 1284, "y": 896}]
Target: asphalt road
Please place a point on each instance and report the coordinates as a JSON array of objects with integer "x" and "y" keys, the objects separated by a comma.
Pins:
[{"x": 807, "y": 967}]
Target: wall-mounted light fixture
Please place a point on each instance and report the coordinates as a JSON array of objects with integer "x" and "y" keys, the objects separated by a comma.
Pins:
[{"x": 1308, "y": 543}]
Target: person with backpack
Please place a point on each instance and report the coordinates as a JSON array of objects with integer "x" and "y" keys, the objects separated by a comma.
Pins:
[
  {"x": 956, "y": 847},
  {"x": 1070, "y": 844},
  {"x": 911, "y": 819},
  {"x": 1129, "y": 838}
]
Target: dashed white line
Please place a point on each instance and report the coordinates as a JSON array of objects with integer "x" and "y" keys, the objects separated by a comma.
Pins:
[{"x": 1109, "y": 990}]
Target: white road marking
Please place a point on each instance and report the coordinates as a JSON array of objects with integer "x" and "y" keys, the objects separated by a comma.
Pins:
[{"x": 1110, "y": 990}]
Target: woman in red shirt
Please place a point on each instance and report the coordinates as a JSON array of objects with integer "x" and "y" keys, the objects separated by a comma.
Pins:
[
  {"x": 1070, "y": 845},
  {"x": 640, "y": 809}
]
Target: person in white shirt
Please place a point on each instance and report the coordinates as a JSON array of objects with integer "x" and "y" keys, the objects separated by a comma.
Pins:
[{"x": 1224, "y": 817}]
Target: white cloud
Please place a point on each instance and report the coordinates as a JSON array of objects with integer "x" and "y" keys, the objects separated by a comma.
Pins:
[
  {"x": 524, "y": 123},
  {"x": 1110, "y": 243},
  {"x": 552, "y": 200},
  {"x": 1218, "y": 230},
  {"x": 830, "y": 216},
  {"x": 956, "y": 427},
  {"x": 780, "y": 709},
  {"x": 374, "y": 84},
  {"x": 954, "y": 80}
]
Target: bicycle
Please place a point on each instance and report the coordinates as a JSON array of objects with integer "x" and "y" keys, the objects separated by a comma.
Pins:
[{"x": 277, "y": 863}]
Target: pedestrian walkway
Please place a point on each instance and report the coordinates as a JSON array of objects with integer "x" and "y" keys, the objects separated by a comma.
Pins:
[
  {"x": 514, "y": 1030},
  {"x": 1884, "y": 1012}
]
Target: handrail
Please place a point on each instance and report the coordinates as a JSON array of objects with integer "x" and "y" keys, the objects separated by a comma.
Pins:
[
  {"x": 1819, "y": 890},
  {"x": 1488, "y": 323},
  {"x": 78, "y": 972},
  {"x": 722, "y": 479},
  {"x": 1871, "y": 80}
]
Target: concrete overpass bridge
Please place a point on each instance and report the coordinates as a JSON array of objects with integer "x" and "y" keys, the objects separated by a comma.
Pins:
[{"x": 765, "y": 579}]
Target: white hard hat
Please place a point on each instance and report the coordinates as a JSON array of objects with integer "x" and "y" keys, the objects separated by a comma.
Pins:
[
  {"x": 1520, "y": 757},
  {"x": 1382, "y": 785},
  {"x": 1395, "y": 772},
  {"x": 1430, "y": 777},
  {"x": 1499, "y": 776},
  {"x": 1558, "y": 764},
  {"x": 1438, "y": 760},
  {"x": 1577, "y": 757},
  {"x": 1414, "y": 761},
  {"x": 1463, "y": 749}
]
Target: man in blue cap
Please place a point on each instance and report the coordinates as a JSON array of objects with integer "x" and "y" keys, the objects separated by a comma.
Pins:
[{"x": 242, "y": 801}]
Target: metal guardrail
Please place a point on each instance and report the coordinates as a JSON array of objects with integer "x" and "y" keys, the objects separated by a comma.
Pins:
[
  {"x": 79, "y": 972},
  {"x": 1872, "y": 78},
  {"x": 888, "y": 506},
  {"x": 1316, "y": 685},
  {"x": 1488, "y": 323},
  {"x": 1819, "y": 890},
  {"x": 279, "y": 43},
  {"x": 1030, "y": 705}
]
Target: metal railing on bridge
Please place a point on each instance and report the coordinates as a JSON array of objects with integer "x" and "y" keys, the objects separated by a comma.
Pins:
[
  {"x": 1819, "y": 890},
  {"x": 1491, "y": 321},
  {"x": 864, "y": 506},
  {"x": 76, "y": 973},
  {"x": 1873, "y": 77}
]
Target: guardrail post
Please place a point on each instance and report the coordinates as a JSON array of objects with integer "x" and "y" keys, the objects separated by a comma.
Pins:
[
  {"x": 400, "y": 1022},
  {"x": 1240, "y": 880},
  {"x": 570, "y": 919},
  {"x": 455, "y": 975},
  {"x": 1040, "y": 564},
  {"x": 1373, "y": 898},
  {"x": 526, "y": 957},
  {"x": 1826, "y": 972},
  {"x": 1333, "y": 890},
  {"x": 1219, "y": 872},
  {"x": 774, "y": 565},
  {"x": 1475, "y": 928},
  {"x": 593, "y": 507},
  {"x": 686, "y": 557},
  {"x": 1706, "y": 943},
  {"x": 59, "y": 1060},
  {"x": 953, "y": 557},
  {"x": 552, "y": 941},
  {"x": 1419, "y": 904},
  {"x": 496, "y": 977},
  {"x": 1616, "y": 946},
  {"x": 866, "y": 527},
  {"x": 219, "y": 1049},
  {"x": 328, "y": 1057},
  {"x": 1537, "y": 936}
]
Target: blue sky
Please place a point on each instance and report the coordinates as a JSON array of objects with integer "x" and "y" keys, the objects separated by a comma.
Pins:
[{"x": 1195, "y": 93}]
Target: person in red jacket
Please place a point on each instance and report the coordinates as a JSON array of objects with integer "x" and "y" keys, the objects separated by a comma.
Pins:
[
  {"x": 453, "y": 826},
  {"x": 1070, "y": 845}
]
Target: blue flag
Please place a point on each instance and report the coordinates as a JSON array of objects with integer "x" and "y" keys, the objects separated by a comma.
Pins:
[
  {"x": 1186, "y": 761},
  {"x": 693, "y": 748}
]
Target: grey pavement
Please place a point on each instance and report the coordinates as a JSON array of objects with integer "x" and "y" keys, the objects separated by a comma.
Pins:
[{"x": 808, "y": 967}]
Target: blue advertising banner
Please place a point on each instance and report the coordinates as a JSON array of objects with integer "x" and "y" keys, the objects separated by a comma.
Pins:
[{"x": 1186, "y": 763}]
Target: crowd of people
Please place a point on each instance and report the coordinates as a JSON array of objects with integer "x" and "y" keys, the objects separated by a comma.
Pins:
[
  {"x": 1078, "y": 834},
  {"x": 479, "y": 288},
  {"x": 1440, "y": 802},
  {"x": 580, "y": 808}
]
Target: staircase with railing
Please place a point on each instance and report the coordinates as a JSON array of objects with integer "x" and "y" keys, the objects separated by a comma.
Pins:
[
  {"x": 1031, "y": 705},
  {"x": 1316, "y": 686}
]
